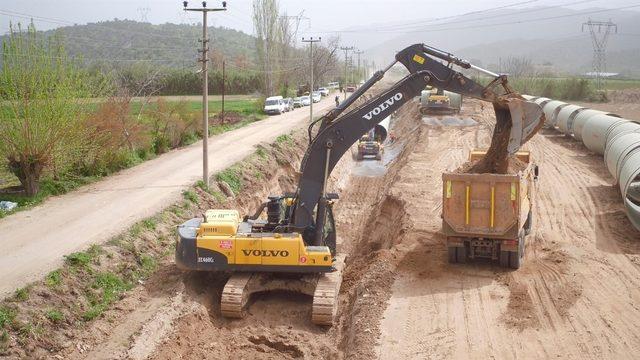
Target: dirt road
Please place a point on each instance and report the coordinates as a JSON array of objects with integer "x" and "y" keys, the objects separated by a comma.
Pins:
[
  {"x": 575, "y": 297},
  {"x": 34, "y": 241}
]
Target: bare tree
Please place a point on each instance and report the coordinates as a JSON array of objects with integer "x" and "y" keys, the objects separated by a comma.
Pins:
[
  {"x": 267, "y": 27},
  {"x": 517, "y": 67},
  {"x": 325, "y": 59}
]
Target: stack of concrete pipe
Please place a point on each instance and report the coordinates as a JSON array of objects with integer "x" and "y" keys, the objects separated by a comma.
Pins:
[{"x": 607, "y": 134}]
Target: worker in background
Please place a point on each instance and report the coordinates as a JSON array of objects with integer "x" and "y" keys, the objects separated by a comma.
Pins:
[{"x": 337, "y": 100}]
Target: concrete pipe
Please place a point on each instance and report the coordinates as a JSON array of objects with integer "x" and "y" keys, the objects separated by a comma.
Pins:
[
  {"x": 551, "y": 110},
  {"x": 381, "y": 130},
  {"x": 595, "y": 131},
  {"x": 630, "y": 187},
  {"x": 566, "y": 116},
  {"x": 542, "y": 101},
  {"x": 618, "y": 149},
  {"x": 621, "y": 128},
  {"x": 581, "y": 118}
]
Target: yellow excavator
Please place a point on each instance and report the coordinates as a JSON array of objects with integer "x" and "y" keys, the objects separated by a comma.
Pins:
[{"x": 293, "y": 247}]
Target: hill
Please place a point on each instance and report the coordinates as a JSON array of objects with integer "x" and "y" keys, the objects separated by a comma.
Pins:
[
  {"x": 545, "y": 34},
  {"x": 172, "y": 45}
]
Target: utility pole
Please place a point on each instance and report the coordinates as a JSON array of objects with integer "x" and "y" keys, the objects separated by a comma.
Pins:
[
  {"x": 357, "y": 53},
  {"x": 205, "y": 85},
  {"x": 600, "y": 31},
  {"x": 346, "y": 50},
  {"x": 311, "y": 40},
  {"x": 223, "y": 88}
]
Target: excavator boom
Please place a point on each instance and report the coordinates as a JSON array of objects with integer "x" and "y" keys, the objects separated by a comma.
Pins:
[{"x": 338, "y": 131}]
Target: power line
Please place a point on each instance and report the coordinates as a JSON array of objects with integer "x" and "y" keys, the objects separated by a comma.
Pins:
[
  {"x": 422, "y": 22},
  {"x": 493, "y": 24},
  {"x": 524, "y": 11}
]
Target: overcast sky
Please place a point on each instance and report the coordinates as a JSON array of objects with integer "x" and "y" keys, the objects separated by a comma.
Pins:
[{"x": 324, "y": 15}]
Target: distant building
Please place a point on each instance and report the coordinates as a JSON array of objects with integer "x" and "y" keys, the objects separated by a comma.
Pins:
[{"x": 602, "y": 74}]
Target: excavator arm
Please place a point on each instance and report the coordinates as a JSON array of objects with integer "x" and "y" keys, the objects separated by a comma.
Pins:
[{"x": 338, "y": 131}]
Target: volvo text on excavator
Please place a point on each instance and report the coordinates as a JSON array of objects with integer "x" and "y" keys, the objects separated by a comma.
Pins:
[{"x": 294, "y": 247}]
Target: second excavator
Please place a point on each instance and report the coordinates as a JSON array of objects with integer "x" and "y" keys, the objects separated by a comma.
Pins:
[{"x": 294, "y": 247}]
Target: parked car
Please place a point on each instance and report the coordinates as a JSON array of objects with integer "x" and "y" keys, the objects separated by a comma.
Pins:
[
  {"x": 350, "y": 88},
  {"x": 305, "y": 100},
  {"x": 275, "y": 105},
  {"x": 289, "y": 103},
  {"x": 297, "y": 102},
  {"x": 333, "y": 85},
  {"x": 316, "y": 96},
  {"x": 323, "y": 91}
]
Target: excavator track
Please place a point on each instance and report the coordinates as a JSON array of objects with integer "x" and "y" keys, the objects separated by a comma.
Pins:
[
  {"x": 323, "y": 287},
  {"x": 325, "y": 297},
  {"x": 235, "y": 295}
]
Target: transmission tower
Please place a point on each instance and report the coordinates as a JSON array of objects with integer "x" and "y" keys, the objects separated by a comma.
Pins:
[
  {"x": 144, "y": 11},
  {"x": 600, "y": 31}
]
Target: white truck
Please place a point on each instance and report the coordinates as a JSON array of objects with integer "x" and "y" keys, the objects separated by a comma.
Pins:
[{"x": 275, "y": 105}]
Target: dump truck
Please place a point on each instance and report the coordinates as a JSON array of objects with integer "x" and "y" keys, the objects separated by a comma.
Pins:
[
  {"x": 435, "y": 101},
  {"x": 489, "y": 215}
]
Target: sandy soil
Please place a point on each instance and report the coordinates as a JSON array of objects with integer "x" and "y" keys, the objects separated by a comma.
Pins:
[
  {"x": 574, "y": 297},
  {"x": 34, "y": 241}
]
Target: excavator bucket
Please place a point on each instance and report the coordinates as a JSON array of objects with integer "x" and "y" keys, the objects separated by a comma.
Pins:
[{"x": 526, "y": 119}]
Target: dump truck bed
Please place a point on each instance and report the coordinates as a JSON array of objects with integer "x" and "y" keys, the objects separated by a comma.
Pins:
[
  {"x": 487, "y": 205},
  {"x": 489, "y": 215}
]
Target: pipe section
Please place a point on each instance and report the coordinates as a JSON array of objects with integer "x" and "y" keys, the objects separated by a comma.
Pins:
[
  {"x": 566, "y": 117},
  {"x": 551, "y": 110},
  {"x": 606, "y": 134},
  {"x": 596, "y": 130}
]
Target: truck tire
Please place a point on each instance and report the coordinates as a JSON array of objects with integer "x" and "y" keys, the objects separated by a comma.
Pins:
[
  {"x": 457, "y": 254},
  {"x": 452, "y": 254},
  {"x": 515, "y": 259},
  {"x": 504, "y": 259},
  {"x": 528, "y": 225}
]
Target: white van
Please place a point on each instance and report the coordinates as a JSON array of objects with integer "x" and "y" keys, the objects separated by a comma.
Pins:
[{"x": 275, "y": 105}]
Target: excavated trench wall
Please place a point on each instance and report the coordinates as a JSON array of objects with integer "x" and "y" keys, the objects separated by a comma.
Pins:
[{"x": 607, "y": 134}]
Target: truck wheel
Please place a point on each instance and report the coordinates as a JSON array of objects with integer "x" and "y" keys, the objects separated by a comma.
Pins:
[
  {"x": 515, "y": 259},
  {"x": 452, "y": 254},
  {"x": 528, "y": 225},
  {"x": 504, "y": 259},
  {"x": 457, "y": 254},
  {"x": 461, "y": 254}
]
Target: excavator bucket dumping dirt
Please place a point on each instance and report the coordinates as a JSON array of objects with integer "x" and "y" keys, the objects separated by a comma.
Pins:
[{"x": 517, "y": 121}]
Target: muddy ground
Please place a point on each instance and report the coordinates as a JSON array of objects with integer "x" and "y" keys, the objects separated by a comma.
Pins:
[{"x": 576, "y": 295}]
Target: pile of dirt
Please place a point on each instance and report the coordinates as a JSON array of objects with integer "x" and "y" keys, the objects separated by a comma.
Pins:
[{"x": 624, "y": 96}]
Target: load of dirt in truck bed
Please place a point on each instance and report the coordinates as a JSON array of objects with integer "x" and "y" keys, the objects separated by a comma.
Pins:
[{"x": 497, "y": 159}]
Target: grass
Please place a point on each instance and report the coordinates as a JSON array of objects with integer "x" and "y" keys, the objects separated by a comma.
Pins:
[
  {"x": 54, "y": 279},
  {"x": 54, "y": 316},
  {"x": 190, "y": 196},
  {"x": 106, "y": 288},
  {"x": 232, "y": 177},
  {"x": 285, "y": 138},
  {"x": 83, "y": 259},
  {"x": 22, "y": 294},
  {"x": 7, "y": 316}
]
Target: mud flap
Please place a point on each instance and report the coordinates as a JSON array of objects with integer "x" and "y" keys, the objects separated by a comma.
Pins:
[{"x": 526, "y": 119}]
